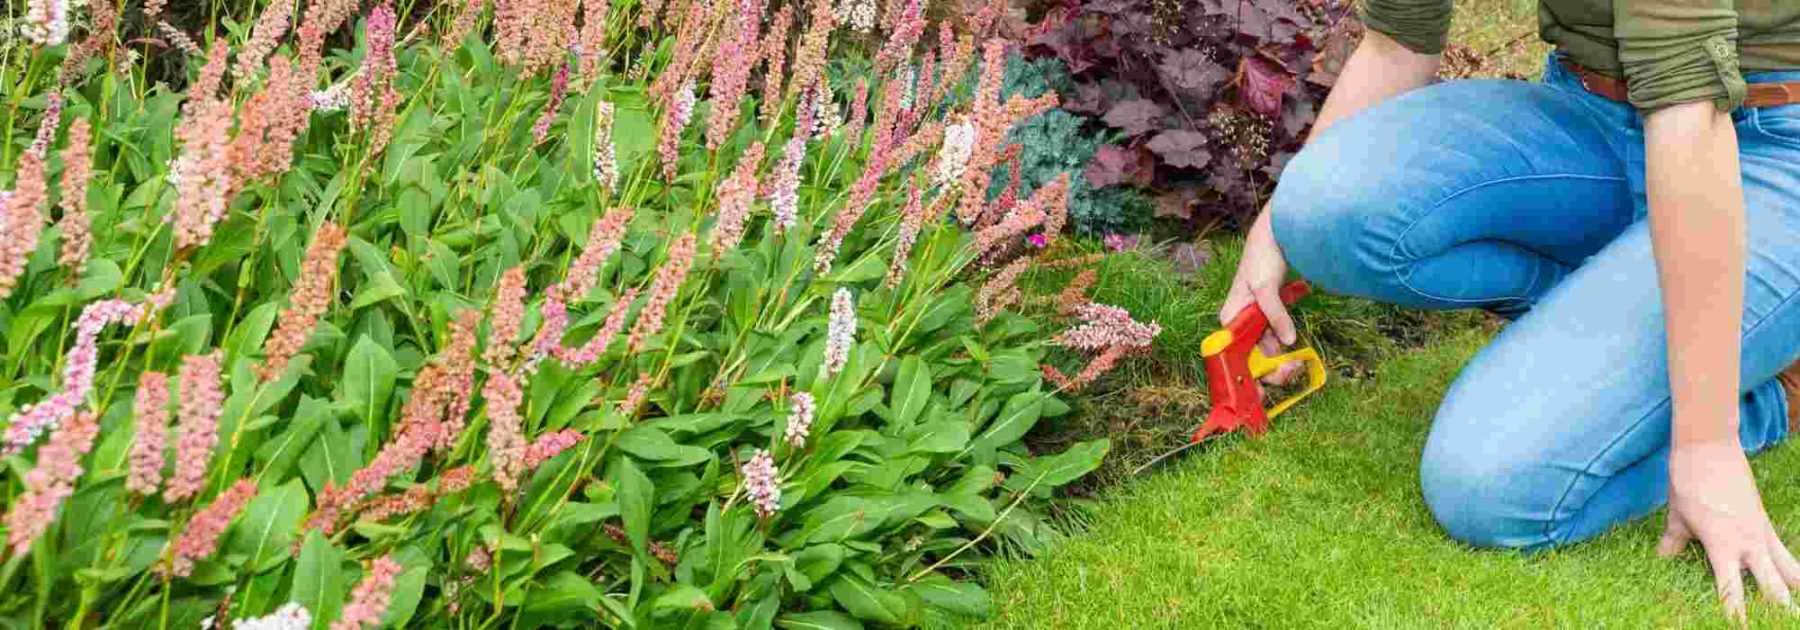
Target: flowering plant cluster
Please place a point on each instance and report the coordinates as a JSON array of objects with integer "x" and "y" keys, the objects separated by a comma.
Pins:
[{"x": 523, "y": 312}]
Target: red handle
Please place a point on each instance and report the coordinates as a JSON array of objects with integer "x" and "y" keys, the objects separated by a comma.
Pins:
[{"x": 1236, "y": 398}]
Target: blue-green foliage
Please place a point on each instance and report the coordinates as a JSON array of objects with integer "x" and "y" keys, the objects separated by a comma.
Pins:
[{"x": 1058, "y": 142}]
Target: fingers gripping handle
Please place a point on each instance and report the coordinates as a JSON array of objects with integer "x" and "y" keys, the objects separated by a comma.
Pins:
[{"x": 1233, "y": 366}]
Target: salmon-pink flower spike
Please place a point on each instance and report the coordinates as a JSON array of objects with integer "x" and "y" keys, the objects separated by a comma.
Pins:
[
  {"x": 149, "y": 448},
  {"x": 322, "y": 18},
  {"x": 662, "y": 292},
  {"x": 415, "y": 437},
  {"x": 201, "y": 537},
  {"x": 309, "y": 300},
  {"x": 50, "y": 482},
  {"x": 603, "y": 241},
  {"x": 46, "y": 22},
  {"x": 907, "y": 29},
  {"x": 77, "y": 237},
  {"x": 735, "y": 58},
  {"x": 204, "y": 185},
  {"x": 372, "y": 97},
  {"x": 800, "y": 419},
  {"x": 635, "y": 397},
  {"x": 1022, "y": 218},
  {"x": 78, "y": 369},
  {"x": 762, "y": 484},
  {"x": 774, "y": 54},
  {"x": 178, "y": 39},
  {"x": 505, "y": 440},
  {"x": 784, "y": 195},
  {"x": 681, "y": 111},
  {"x": 48, "y": 123},
  {"x": 415, "y": 499},
  {"x": 369, "y": 599},
  {"x": 606, "y": 155},
  {"x": 859, "y": 110},
  {"x": 559, "y": 87},
  {"x": 736, "y": 195},
  {"x": 840, "y": 332},
  {"x": 21, "y": 216},
  {"x": 507, "y": 318},
  {"x": 809, "y": 59},
  {"x": 689, "y": 40},
  {"x": 592, "y": 41},
  {"x": 912, "y": 219},
  {"x": 1056, "y": 207},
  {"x": 1105, "y": 362},
  {"x": 463, "y": 24},
  {"x": 1104, "y": 326},
  {"x": 1000, "y": 292},
  {"x": 272, "y": 119},
  {"x": 551, "y": 341},
  {"x": 270, "y": 27},
  {"x": 198, "y": 420},
  {"x": 459, "y": 379},
  {"x": 550, "y": 445}
]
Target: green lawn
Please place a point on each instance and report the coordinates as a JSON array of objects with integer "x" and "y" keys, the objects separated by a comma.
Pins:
[{"x": 1321, "y": 524}]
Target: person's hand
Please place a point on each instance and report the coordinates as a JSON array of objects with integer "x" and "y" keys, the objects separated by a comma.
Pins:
[
  {"x": 1259, "y": 276},
  {"x": 1713, "y": 498}
]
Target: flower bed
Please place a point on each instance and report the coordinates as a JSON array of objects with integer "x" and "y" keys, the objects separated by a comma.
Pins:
[{"x": 539, "y": 313}]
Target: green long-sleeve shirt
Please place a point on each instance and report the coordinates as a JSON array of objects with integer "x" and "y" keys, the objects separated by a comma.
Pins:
[{"x": 1667, "y": 51}]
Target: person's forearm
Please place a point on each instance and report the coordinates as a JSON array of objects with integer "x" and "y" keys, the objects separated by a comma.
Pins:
[
  {"x": 1379, "y": 69},
  {"x": 1697, "y": 230}
]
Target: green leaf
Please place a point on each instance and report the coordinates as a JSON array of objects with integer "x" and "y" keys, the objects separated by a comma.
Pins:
[
  {"x": 319, "y": 580},
  {"x": 818, "y": 620},
  {"x": 961, "y": 598},
  {"x": 369, "y": 375},
  {"x": 867, "y": 601},
  {"x": 637, "y": 498},
  {"x": 1017, "y": 417},
  {"x": 943, "y": 436},
  {"x": 819, "y": 561},
  {"x": 912, "y": 390},
  {"x": 380, "y": 287},
  {"x": 652, "y": 444},
  {"x": 409, "y": 586},
  {"x": 1061, "y": 468},
  {"x": 682, "y": 597},
  {"x": 267, "y": 527},
  {"x": 564, "y": 592}
]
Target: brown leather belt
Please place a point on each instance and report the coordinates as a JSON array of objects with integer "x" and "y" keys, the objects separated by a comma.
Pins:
[{"x": 1755, "y": 95}]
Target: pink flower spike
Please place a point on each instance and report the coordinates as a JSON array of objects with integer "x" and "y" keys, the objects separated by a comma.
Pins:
[
  {"x": 369, "y": 599},
  {"x": 506, "y": 445},
  {"x": 201, "y": 537},
  {"x": 78, "y": 370},
  {"x": 841, "y": 332},
  {"x": 49, "y": 483},
  {"x": 762, "y": 484},
  {"x": 149, "y": 449},
  {"x": 198, "y": 411},
  {"x": 550, "y": 445}
]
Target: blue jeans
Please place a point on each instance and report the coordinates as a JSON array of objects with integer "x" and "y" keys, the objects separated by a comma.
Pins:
[{"x": 1527, "y": 199}]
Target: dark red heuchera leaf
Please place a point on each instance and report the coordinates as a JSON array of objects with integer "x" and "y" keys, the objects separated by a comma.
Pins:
[
  {"x": 1114, "y": 164},
  {"x": 1181, "y": 148},
  {"x": 1177, "y": 202},
  {"x": 1261, "y": 83},
  {"x": 1135, "y": 117}
]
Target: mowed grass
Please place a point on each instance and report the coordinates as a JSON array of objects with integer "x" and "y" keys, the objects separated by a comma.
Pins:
[{"x": 1321, "y": 524}]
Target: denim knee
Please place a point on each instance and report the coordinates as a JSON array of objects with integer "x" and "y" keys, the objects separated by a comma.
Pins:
[
  {"x": 1486, "y": 489},
  {"x": 1321, "y": 215}
]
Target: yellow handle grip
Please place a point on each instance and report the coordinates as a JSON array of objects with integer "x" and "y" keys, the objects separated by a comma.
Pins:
[{"x": 1261, "y": 366}]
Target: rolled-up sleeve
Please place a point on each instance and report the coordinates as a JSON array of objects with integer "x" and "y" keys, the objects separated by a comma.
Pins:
[
  {"x": 1679, "y": 51},
  {"x": 1419, "y": 25}
]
